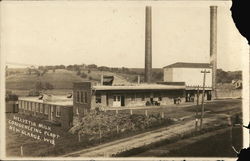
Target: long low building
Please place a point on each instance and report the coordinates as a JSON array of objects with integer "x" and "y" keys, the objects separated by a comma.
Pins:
[
  {"x": 57, "y": 110},
  {"x": 87, "y": 96}
]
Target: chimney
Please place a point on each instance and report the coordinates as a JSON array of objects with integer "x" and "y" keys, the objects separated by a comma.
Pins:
[
  {"x": 213, "y": 45},
  {"x": 148, "y": 46}
]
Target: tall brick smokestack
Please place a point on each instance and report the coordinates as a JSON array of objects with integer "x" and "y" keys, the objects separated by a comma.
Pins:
[
  {"x": 213, "y": 46},
  {"x": 148, "y": 46}
]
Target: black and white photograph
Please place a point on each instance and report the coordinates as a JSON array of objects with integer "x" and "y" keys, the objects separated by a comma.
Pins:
[{"x": 123, "y": 79}]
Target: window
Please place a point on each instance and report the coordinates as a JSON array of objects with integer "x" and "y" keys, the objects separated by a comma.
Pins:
[
  {"x": 46, "y": 110},
  {"x": 20, "y": 104},
  {"x": 37, "y": 107},
  {"x": 98, "y": 98},
  {"x": 114, "y": 98},
  {"x": 77, "y": 112},
  {"x": 82, "y": 97},
  {"x": 58, "y": 111},
  {"x": 133, "y": 97},
  {"x": 77, "y": 96},
  {"x": 25, "y": 105},
  {"x": 119, "y": 98},
  {"x": 41, "y": 107},
  {"x": 33, "y": 106},
  {"x": 29, "y": 104},
  {"x": 86, "y": 97}
]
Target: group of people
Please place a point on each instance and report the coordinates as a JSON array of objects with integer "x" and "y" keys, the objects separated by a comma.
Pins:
[{"x": 177, "y": 100}]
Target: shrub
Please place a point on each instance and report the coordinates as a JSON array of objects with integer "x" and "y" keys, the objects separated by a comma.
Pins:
[
  {"x": 98, "y": 123},
  {"x": 83, "y": 75}
]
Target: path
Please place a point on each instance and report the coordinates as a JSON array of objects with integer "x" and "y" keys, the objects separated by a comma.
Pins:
[{"x": 115, "y": 147}]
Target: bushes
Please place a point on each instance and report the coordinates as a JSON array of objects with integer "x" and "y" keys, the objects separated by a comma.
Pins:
[{"x": 105, "y": 125}]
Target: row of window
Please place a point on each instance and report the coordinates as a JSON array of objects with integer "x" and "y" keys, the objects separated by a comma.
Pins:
[
  {"x": 118, "y": 98},
  {"x": 133, "y": 97},
  {"x": 39, "y": 107},
  {"x": 81, "y": 97}
]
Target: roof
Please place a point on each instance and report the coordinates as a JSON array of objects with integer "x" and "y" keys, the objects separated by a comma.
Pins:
[
  {"x": 56, "y": 100},
  {"x": 140, "y": 87},
  {"x": 189, "y": 65}
]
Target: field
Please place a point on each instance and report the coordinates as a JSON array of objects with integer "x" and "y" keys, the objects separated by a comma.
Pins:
[
  {"x": 20, "y": 80},
  {"x": 218, "y": 143},
  {"x": 69, "y": 142}
]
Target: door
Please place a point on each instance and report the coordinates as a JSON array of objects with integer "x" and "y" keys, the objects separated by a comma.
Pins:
[
  {"x": 122, "y": 100},
  {"x": 116, "y": 101}
]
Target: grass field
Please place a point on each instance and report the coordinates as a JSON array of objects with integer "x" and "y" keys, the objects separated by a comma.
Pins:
[
  {"x": 212, "y": 143},
  {"x": 60, "y": 79},
  {"x": 216, "y": 146}
]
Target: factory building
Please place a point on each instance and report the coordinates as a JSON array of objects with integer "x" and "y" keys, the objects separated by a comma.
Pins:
[
  {"x": 192, "y": 74},
  {"x": 87, "y": 96},
  {"x": 54, "y": 109}
]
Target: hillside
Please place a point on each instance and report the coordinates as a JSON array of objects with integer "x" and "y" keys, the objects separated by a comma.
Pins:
[{"x": 59, "y": 79}]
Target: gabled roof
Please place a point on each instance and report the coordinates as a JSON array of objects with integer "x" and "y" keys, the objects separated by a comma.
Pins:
[{"x": 189, "y": 65}]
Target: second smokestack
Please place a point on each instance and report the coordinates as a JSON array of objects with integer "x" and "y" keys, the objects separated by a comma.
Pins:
[
  {"x": 148, "y": 45},
  {"x": 213, "y": 46}
]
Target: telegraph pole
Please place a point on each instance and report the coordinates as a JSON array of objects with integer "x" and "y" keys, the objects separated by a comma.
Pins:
[
  {"x": 196, "y": 111},
  {"x": 203, "y": 94}
]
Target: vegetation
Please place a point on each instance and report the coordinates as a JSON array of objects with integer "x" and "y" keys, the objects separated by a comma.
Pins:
[
  {"x": 227, "y": 77},
  {"x": 107, "y": 124},
  {"x": 62, "y": 77}
]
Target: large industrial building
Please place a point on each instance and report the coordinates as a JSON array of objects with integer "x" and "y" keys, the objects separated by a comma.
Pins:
[{"x": 87, "y": 96}]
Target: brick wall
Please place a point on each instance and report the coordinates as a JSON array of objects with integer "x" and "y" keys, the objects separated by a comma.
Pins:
[{"x": 81, "y": 98}]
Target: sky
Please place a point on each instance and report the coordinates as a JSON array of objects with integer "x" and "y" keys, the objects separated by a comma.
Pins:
[{"x": 113, "y": 33}]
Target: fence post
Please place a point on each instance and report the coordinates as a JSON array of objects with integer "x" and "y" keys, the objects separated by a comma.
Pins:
[
  {"x": 131, "y": 112},
  {"x": 21, "y": 148},
  {"x": 117, "y": 129},
  {"x": 196, "y": 124},
  {"x": 146, "y": 112},
  {"x": 162, "y": 114},
  {"x": 116, "y": 111},
  {"x": 100, "y": 135},
  {"x": 79, "y": 137}
]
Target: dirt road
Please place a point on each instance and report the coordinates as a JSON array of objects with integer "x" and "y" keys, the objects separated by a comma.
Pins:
[{"x": 140, "y": 140}]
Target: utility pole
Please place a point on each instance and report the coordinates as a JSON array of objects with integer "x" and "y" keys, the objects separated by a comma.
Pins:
[
  {"x": 196, "y": 110},
  {"x": 203, "y": 94}
]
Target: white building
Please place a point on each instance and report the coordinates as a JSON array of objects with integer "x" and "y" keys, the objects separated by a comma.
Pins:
[{"x": 190, "y": 73}]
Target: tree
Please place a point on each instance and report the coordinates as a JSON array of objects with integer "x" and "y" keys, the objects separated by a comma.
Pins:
[
  {"x": 92, "y": 66},
  {"x": 83, "y": 75},
  {"x": 38, "y": 86},
  {"x": 78, "y": 72},
  {"x": 29, "y": 71},
  {"x": 48, "y": 86}
]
